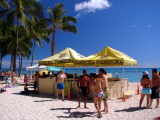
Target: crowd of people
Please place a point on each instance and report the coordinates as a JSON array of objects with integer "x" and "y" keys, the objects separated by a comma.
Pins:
[
  {"x": 85, "y": 83},
  {"x": 4, "y": 75},
  {"x": 99, "y": 84}
]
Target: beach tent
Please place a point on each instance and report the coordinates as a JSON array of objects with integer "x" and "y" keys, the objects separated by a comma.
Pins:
[
  {"x": 39, "y": 68},
  {"x": 107, "y": 57},
  {"x": 64, "y": 58}
]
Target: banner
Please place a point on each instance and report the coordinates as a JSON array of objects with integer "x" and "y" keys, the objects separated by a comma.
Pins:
[{"x": 67, "y": 88}]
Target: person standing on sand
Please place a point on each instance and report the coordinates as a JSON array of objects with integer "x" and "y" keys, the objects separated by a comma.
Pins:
[
  {"x": 105, "y": 89},
  {"x": 61, "y": 77},
  {"x": 98, "y": 92},
  {"x": 25, "y": 78},
  {"x": 82, "y": 84},
  {"x": 36, "y": 77},
  {"x": 146, "y": 83},
  {"x": 13, "y": 80},
  {"x": 155, "y": 88}
]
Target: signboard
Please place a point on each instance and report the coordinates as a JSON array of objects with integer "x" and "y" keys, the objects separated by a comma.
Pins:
[{"x": 67, "y": 88}]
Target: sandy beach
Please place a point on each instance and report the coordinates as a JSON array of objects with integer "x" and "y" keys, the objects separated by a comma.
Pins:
[{"x": 15, "y": 106}]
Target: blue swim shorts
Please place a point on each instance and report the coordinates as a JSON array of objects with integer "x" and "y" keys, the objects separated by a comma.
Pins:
[
  {"x": 146, "y": 91},
  {"x": 60, "y": 86}
]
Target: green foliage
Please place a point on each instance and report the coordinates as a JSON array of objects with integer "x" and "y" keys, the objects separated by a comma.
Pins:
[
  {"x": 60, "y": 21},
  {"x": 23, "y": 24}
]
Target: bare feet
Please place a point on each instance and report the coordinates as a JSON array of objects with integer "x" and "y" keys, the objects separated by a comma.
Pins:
[
  {"x": 77, "y": 107},
  {"x": 99, "y": 116},
  {"x": 105, "y": 112},
  {"x": 86, "y": 107}
]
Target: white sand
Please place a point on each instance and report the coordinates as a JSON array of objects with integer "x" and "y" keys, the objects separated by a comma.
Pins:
[{"x": 45, "y": 107}]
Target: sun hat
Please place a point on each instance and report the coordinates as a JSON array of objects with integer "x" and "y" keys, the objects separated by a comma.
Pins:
[{"x": 145, "y": 73}]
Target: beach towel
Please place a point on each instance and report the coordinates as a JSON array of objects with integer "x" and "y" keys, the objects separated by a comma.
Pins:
[{"x": 10, "y": 92}]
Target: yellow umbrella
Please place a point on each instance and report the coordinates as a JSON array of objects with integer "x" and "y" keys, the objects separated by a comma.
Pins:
[
  {"x": 64, "y": 58},
  {"x": 107, "y": 57}
]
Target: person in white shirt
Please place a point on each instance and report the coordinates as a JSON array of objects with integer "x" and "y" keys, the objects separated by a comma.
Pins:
[{"x": 61, "y": 77}]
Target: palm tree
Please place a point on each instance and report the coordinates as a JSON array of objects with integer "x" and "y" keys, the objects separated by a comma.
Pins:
[
  {"x": 38, "y": 32},
  {"x": 23, "y": 49},
  {"x": 3, "y": 51},
  {"x": 59, "y": 21},
  {"x": 18, "y": 13},
  {"x": 4, "y": 3}
]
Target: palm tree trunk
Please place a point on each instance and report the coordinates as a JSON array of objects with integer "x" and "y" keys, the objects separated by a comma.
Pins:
[
  {"x": 11, "y": 63},
  {"x": 34, "y": 44},
  {"x": 16, "y": 47},
  {"x": 0, "y": 60},
  {"x": 20, "y": 65},
  {"x": 14, "y": 59},
  {"x": 53, "y": 50}
]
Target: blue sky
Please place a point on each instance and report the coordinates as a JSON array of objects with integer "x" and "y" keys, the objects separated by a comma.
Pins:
[{"x": 130, "y": 26}]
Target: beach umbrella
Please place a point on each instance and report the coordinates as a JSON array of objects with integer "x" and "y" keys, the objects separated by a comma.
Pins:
[
  {"x": 64, "y": 58},
  {"x": 38, "y": 68},
  {"x": 107, "y": 57}
]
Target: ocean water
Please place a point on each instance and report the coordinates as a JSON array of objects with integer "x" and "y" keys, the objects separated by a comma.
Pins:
[{"x": 133, "y": 74}]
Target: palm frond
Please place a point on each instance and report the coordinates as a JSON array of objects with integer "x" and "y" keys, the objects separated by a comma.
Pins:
[
  {"x": 21, "y": 16},
  {"x": 4, "y": 4},
  {"x": 49, "y": 11},
  {"x": 4, "y": 12},
  {"x": 66, "y": 27},
  {"x": 48, "y": 20},
  {"x": 68, "y": 19}
]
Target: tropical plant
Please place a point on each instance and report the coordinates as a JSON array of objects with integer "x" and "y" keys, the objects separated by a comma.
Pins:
[
  {"x": 23, "y": 49},
  {"x": 3, "y": 51},
  {"x": 19, "y": 12},
  {"x": 4, "y": 3},
  {"x": 59, "y": 20},
  {"x": 38, "y": 32}
]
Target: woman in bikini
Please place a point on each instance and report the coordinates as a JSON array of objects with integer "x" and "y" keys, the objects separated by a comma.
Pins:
[
  {"x": 98, "y": 92},
  {"x": 13, "y": 76},
  {"x": 146, "y": 83}
]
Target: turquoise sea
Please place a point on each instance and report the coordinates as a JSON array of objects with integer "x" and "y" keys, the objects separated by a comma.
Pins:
[{"x": 133, "y": 74}]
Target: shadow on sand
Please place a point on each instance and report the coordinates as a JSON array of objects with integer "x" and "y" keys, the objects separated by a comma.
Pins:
[
  {"x": 131, "y": 109},
  {"x": 75, "y": 114}
]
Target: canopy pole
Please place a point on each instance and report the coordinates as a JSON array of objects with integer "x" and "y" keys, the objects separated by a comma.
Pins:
[
  {"x": 123, "y": 81},
  {"x": 137, "y": 74},
  {"x": 74, "y": 76},
  {"x": 96, "y": 69},
  {"x": 31, "y": 75},
  {"x": 63, "y": 69}
]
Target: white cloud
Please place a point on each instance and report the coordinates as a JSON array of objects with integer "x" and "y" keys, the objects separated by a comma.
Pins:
[
  {"x": 91, "y": 6},
  {"x": 149, "y": 26}
]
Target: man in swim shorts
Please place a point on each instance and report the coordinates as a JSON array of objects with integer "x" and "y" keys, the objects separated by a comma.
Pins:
[
  {"x": 82, "y": 84},
  {"x": 60, "y": 83},
  {"x": 155, "y": 88},
  {"x": 105, "y": 89}
]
